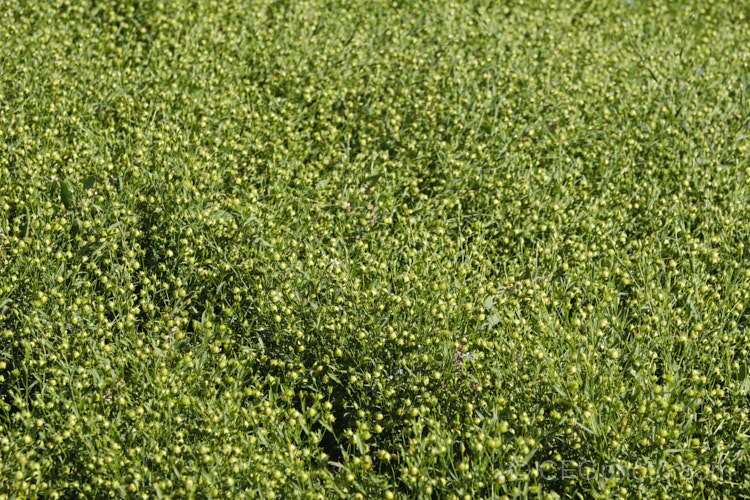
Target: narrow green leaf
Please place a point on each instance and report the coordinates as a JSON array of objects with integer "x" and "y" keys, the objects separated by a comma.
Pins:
[
  {"x": 75, "y": 228},
  {"x": 89, "y": 182},
  {"x": 66, "y": 195},
  {"x": 371, "y": 180}
]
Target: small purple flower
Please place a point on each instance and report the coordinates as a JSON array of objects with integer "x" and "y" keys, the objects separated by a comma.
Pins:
[
  {"x": 459, "y": 359},
  {"x": 460, "y": 356}
]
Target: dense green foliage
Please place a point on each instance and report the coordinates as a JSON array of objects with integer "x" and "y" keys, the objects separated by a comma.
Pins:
[{"x": 422, "y": 249}]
